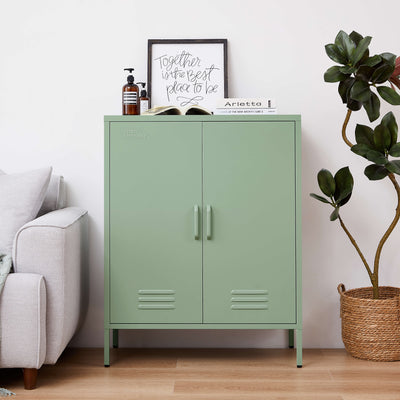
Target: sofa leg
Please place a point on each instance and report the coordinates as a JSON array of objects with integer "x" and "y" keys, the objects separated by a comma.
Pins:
[{"x": 30, "y": 378}]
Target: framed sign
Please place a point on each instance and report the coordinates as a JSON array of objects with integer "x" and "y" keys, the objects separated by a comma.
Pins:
[{"x": 186, "y": 72}]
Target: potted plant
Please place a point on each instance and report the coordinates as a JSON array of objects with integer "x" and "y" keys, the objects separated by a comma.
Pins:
[{"x": 370, "y": 316}]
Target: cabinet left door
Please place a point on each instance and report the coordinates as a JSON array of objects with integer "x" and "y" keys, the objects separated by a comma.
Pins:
[{"x": 155, "y": 248}]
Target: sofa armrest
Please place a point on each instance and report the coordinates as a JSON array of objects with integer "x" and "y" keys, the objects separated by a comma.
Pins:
[
  {"x": 53, "y": 246},
  {"x": 23, "y": 321}
]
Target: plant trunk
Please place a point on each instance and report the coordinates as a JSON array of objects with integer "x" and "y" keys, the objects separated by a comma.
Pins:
[
  {"x": 375, "y": 287},
  {"x": 386, "y": 236}
]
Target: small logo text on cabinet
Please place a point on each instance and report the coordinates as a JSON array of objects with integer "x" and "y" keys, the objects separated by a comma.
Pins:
[{"x": 135, "y": 134}]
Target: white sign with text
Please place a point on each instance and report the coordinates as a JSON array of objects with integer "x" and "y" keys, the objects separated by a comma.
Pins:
[{"x": 185, "y": 74}]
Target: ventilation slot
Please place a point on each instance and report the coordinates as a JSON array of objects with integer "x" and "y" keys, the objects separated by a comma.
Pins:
[
  {"x": 247, "y": 299},
  {"x": 153, "y": 299}
]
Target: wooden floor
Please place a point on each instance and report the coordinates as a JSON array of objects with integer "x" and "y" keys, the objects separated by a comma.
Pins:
[{"x": 210, "y": 374}]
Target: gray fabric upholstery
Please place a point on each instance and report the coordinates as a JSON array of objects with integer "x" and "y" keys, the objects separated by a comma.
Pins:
[
  {"x": 23, "y": 321},
  {"x": 55, "y": 196},
  {"x": 51, "y": 245},
  {"x": 21, "y": 198},
  {"x": 40, "y": 305}
]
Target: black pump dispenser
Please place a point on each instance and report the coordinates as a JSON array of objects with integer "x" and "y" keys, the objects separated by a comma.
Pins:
[
  {"x": 143, "y": 92},
  {"x": 130, "y": 77},
  {"x": 130, "y": 95}
]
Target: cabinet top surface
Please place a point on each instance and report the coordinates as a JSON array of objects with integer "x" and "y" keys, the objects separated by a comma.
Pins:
[{"x": 201, "y": 118}]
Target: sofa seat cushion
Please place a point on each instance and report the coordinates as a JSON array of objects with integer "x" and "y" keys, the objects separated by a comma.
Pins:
[{"x": 21, "y": 197}]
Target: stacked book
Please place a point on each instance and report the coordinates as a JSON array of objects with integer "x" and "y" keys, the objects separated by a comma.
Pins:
[{"x": 232, "y": 106}]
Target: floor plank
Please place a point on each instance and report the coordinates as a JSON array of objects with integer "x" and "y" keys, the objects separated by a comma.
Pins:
[{"x": 218, "y": 374}]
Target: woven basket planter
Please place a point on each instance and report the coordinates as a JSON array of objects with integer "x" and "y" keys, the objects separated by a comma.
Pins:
[{"x": 371, "y": 328}]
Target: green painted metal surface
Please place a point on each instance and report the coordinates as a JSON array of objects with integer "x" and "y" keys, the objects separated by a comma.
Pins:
[
  {"x": 155, "y": 267},
  {"x": 203, "y": 223},
  {"x": 249, "y": 260}
]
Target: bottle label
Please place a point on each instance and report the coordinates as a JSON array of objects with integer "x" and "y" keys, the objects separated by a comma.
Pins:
[
  {"x": 130, "y": 98},
  {"x": 144, "y": 106}
]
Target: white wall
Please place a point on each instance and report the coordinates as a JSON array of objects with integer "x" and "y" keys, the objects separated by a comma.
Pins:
[{"x": 61, "y": 70}]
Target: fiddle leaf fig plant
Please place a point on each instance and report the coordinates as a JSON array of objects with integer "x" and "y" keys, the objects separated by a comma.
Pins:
[{"x": 362, "y": 80}]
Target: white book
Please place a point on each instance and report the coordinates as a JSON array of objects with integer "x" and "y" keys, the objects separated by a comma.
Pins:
[
  {"x": 230, "y": 103},
  {"x": 245, "y": 111}
]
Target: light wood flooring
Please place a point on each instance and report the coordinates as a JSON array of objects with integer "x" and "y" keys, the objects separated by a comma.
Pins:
[{"x": 216, "y": 374}]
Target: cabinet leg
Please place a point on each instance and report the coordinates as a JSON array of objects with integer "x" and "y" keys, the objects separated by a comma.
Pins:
[
  {"x": 291, "y": 338},
  {"x": 115, "y": 338},
  {"x": 106, "y": 347},
  {"x": 299, "y": 347}
]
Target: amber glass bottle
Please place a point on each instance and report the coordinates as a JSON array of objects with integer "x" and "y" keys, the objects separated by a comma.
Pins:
[{"x": 130, "y": 96}]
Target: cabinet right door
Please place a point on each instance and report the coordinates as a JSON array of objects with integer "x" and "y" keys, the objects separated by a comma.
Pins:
[{"x": 249, "y": 230}]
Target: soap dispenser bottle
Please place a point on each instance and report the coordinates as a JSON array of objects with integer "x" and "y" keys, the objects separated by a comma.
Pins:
[
  {"x": 143, "y": 99},
  {"x": 130, "y": 95}
]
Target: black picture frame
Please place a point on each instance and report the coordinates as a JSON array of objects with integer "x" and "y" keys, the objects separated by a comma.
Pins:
[{"x": 160, "y": 78}]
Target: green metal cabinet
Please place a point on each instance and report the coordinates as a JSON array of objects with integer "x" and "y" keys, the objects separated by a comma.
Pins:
[{"x": 202, "y": 224}]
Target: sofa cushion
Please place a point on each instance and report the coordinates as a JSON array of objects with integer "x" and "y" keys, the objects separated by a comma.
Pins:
[
  {"x": 55, "y": 196},
  {"x": 21, "y": 197}
]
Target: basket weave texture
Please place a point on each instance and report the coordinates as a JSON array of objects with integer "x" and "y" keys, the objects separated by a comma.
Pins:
[{"x": 371, "y": 328}]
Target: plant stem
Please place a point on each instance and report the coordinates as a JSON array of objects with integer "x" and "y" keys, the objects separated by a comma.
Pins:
[
  {"x": 346, "y": 121},
  {"x": 354, "y": 243},
  {"x": 372, "y": 276},
  {"x": 386, "y": 235}
]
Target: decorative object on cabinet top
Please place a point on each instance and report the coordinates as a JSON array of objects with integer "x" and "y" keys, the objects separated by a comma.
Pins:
[
  {"x": 187, "y": 72},
  {"x": 172, "y": 110},
  {"x": 243, "y": 106}
]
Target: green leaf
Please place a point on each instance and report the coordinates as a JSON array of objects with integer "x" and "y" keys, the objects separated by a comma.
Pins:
[
  {"x": 333, "y": 74},
  {"x": 361, "y": 48},
  {"x": 365, "y": 151},
  {"x": 354, "y": 105},
  {"x": 395, "y": 150},
  {"x": 375, "y": 172},
  {"x": 360, "y": 91},
  {"x": 344, "y": 88},
  {"x": 372, "y": 61},
  {"x": 394, "y": 166},
  {"x": 344, "y": 184},
  {"x": 347, "y": 69},
  {"x": 361, "y": 149},
  {"x": 345, "y": 200},
  {"x": 335, "y": 214},
  {"x": 326, "y": 182},
  {"x": 320, "y": 198},
  {"x": 389, "y": 121},
  {"x": 364, "y": 72},
  {"x": 335, "y": 54},
  {"x": 389, "y": 57},
  {"x": 376, "y": 157},
  {"x": 364, "y": 57},
  {"x": 355, "y": 37},
  {"x": 344, "y": 43},
  {"x": 382, "y": 138},
  {"x": 389, "y": 94},
  {"x": 382, "y": 73},
  {"x": 365, "y": 135},
  {"x": 372, "y": 107}
]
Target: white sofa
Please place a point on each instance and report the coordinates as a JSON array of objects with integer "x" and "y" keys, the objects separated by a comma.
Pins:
[{"x": 41, "y": 303}]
